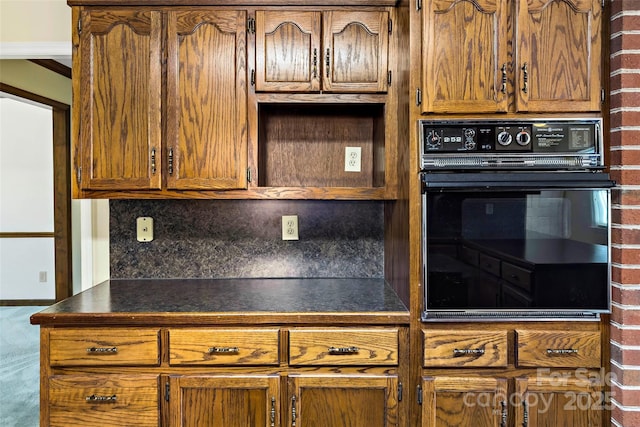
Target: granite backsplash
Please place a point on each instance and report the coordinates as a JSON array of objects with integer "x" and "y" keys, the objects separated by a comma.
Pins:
[{"x": 243, "y": 239}]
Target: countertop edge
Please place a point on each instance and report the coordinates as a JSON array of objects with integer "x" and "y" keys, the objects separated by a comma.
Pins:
[{"x": 217, "y": 318}]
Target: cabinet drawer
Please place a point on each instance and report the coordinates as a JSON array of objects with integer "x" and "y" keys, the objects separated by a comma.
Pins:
[
  {"x": 518, "y": 276},
  {"x": 104, "y": 347},
  {"x": 343, "y": 346},
  {"x": 489, "y": 263},
  {"x": 560, "y": 349},
  {"x": 103, "y": 400},
  {"x": 455, "y": 349},
  {"x": 224, "y": 346}
]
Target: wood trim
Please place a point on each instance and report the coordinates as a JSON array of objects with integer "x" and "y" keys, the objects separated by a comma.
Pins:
[
  {"x": 26, "y": 302},
  {"x": 26, "y": 235},
  {"x": 54, "y": 66},
  {"x": 61, "y": 147}
]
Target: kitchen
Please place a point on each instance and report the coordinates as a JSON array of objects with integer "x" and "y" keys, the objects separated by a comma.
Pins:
[{"x": 394, "y": 273}]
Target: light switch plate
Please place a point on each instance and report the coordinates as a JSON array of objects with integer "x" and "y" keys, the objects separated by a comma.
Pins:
[{"x": 144, "y": 225}]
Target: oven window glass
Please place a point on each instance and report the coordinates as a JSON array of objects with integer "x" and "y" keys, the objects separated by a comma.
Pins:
[{"x": 523, "y": 249}]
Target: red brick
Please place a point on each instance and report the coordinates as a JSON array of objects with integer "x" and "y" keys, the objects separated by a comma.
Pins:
[
  {"x": 625, "y": 197},
  {"x": 625, "y": 397},
  {"x": 625, "y": 216},
  {"x": 627, "y": 61},
  {"x": 625, "y": 236},
  {"x": 625, "y": 157},
  {"x": 625, "y": 376},
  {"x": 625, "y": 41},
  {"x": 626, "y": 176},
  {"x": 625, "y": 336},
  {"x": 625, "y": 276},
  {"x": 625, "y": 418},
  {"x": 626, "y": 317},
  {"x": 626, "y": 99},
  {"x": 623, "y": 80},
  {"x": 626, "y": 118},
  {"x": 625, "y": 256},
  {"x": 625, "y": 137}
]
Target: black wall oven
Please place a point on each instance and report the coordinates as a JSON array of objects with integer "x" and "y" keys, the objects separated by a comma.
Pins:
[{"x": 514, "y": 234}]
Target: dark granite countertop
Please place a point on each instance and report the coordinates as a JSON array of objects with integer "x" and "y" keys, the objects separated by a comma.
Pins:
[{"x": 229, "y": 301}]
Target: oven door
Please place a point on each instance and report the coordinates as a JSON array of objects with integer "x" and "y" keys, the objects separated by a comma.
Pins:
[{"x": 516, "y": 245}]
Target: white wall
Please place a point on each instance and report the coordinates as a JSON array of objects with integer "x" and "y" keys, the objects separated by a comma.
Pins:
[
  {"x": 26, "y": 200},
  {"x": 31, "y": 29}
]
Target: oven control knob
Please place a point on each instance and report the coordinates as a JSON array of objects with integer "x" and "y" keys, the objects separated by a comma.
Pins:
[
  {"x": 470, "y": 133},
  {"x": 523, "y": 138},
  {"x": 470, "y": 144},
  {"x": 504, "y": 138},
  {"x": 433, "y": 140}
]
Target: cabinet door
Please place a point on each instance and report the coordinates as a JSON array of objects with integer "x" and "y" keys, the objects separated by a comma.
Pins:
[
  {"x": 288, "y": 51},
  {"x": 558, "y": 61},
  {"x": 232, "y": 400},
  {"x": 120, "y": 92},
  {"x": 338, "y": 400},
  {"x": 206, "y": 100},
  {"x": 464, "y": 401},
  {"x": 356, "y": 49},
  {"x": 557, "y": 401},
  {"x": 464, "y": 56}
]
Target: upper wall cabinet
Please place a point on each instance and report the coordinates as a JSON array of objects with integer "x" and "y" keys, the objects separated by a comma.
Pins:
[
  {"x": 469, "y": 64},
  {"x": 120, "y": 93},
  {"x": 124, "y": 101},
  {"x": 330, "y": 51}
]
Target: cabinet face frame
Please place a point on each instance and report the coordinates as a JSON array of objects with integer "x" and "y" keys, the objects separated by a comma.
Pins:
[{"x": 120, "y": 96}]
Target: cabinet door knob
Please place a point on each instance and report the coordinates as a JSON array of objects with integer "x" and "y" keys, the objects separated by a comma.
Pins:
[{"x": 525, "y": 78}]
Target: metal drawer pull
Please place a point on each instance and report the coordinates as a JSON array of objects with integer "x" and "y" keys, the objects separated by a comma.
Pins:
[
  {"x": 551, "y": 351},
  {"x": 343, "y": 350},
  {"x": 466, "y": 351},
  {"x": 102, "y": 350},
  {"x": 102, "y": 399},
  {"x": 224, "y": 350}
]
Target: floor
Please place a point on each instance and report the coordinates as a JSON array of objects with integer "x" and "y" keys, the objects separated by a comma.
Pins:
[{"x": 19, "y": 367}]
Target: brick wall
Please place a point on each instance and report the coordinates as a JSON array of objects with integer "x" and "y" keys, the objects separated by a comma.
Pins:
[{"x": 625, "y": 169}]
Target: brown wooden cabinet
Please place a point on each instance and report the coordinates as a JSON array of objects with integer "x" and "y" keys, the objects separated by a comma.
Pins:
[
  {"x": 469, "y": 64},
  {"x": 501, "y": 377},
  {"x": 125, "y": 100},
  {"x": 230, "y": 400},
  {"x": 232, "y": 376},
  {"x": 313, "y": 51}
]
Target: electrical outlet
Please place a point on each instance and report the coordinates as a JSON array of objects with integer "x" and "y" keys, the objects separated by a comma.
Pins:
[
  {"x": 352, "y": 159},
  {"x": 289, "y": 227},
  {"x": 144, "y": 229},
  {"x": 43, "y": 277}
]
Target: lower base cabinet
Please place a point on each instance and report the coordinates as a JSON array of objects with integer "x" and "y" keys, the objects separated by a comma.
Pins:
[
  {"x": 474, "y": 401},
  {"x": 321, "y": 399}
]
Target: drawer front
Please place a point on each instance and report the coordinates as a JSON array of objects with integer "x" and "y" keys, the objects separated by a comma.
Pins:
[
  {"x": 103, "y": 400},
  {"x": 560, "y": 349},
  {"x": 343, "y": 346},
  {"x": 489, "y": 263},
  {"x": 518, "y": 276},
  {"x": 460, "y": 349},
  {"x": 224, "y": 346},
  {"x": 104, "y": 347}
]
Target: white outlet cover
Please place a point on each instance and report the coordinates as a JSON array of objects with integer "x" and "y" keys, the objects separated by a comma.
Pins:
[
  {"x": 144, "y": 228},
  {"x": 289, "y": 227},
  {"x": 353, "y": 159}
]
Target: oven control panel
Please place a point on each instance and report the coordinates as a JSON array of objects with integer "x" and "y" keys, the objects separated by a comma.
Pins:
[{"x": 480, "y": 144}]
